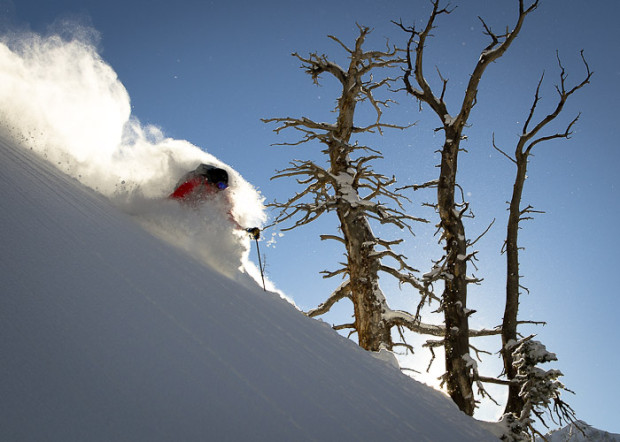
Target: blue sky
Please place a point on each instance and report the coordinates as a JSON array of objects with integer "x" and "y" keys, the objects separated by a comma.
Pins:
[{"x": 208, "y": 72}]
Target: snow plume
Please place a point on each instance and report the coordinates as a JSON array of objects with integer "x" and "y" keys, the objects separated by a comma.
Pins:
[{"x": 59, "y": 98}]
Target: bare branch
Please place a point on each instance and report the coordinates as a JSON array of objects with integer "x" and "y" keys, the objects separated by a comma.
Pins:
[
  {"x": 289, "y": 122},
  {"x": 496, "y": 381},
  {"x": 482, "y": 234},
  {"x": 424, "y": 93},
  {"x": 343, "y": 270},
  {"x": 334, "y": 237},
  {"x": 498, "y": 46},
  {"x": 345, "y": 47},
  {"x": 432, "y": 183},
  {"x": 502, "y": 152},
  {"x": 341, "y": 292},
  {"x": 315, "y": 65},
  {"x": 528, "y": 136},
  {"x": 533, "y": 108},
  {"x": 532, "y": 322},
  {"x": 345, "y": 326}
]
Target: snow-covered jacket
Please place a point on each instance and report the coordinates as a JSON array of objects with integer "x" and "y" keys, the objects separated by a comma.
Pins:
[{"x": 194, "y": 189}]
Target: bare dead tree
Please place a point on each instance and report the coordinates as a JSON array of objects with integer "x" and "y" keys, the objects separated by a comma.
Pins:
[
  {"x": 529, "y": 138},
  {"x": 358, "y": 195},
  {"x": 453, "y": 266}
]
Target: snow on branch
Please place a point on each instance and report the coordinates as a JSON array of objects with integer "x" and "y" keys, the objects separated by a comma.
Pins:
[
  {"x": 540, "y": 389},
  {"x": 403, "y": 319}
]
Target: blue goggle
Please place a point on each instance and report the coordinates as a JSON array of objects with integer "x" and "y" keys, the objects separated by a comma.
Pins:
[{"x": 221, "y": 185}]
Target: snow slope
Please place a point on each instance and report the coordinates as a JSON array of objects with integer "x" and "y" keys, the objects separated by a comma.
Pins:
[
  {"x": 109, "y": 333},
  {"x": 59, "y": 98}
]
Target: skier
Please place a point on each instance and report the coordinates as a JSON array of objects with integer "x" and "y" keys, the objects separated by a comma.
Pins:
[{"x": 204, "y": 183}]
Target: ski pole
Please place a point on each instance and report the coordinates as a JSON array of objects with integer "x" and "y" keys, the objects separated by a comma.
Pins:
[{"x": 260, "y": 264}]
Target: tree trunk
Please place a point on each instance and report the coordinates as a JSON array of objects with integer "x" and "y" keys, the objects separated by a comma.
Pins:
[
  {"x": 368, "y": 300},
  {"x": 509, "y": 325},
  {"x": 459, "y": 381},
  {"x": 363, "y": 267}
]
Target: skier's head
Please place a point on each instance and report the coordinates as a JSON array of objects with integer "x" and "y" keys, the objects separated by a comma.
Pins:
[
  {"x": 214, "y": 175},
  {"x": 219, "y": 177}
]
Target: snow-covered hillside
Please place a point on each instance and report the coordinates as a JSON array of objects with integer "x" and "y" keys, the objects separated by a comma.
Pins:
[
  {"x": 587, "y": 434},
  {"x": 110, "y": 333}
]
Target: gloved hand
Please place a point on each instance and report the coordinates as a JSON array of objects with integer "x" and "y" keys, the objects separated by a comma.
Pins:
[{"x": 254, "y": 232}]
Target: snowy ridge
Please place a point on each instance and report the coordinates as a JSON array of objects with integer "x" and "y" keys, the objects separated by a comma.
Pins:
[
  {"x": 109, "y": 333},
  {"x": 572, "y": 434}
]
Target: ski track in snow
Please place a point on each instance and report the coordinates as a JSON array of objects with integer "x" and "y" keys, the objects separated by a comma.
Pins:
[{"x": 109, "y": 333}]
